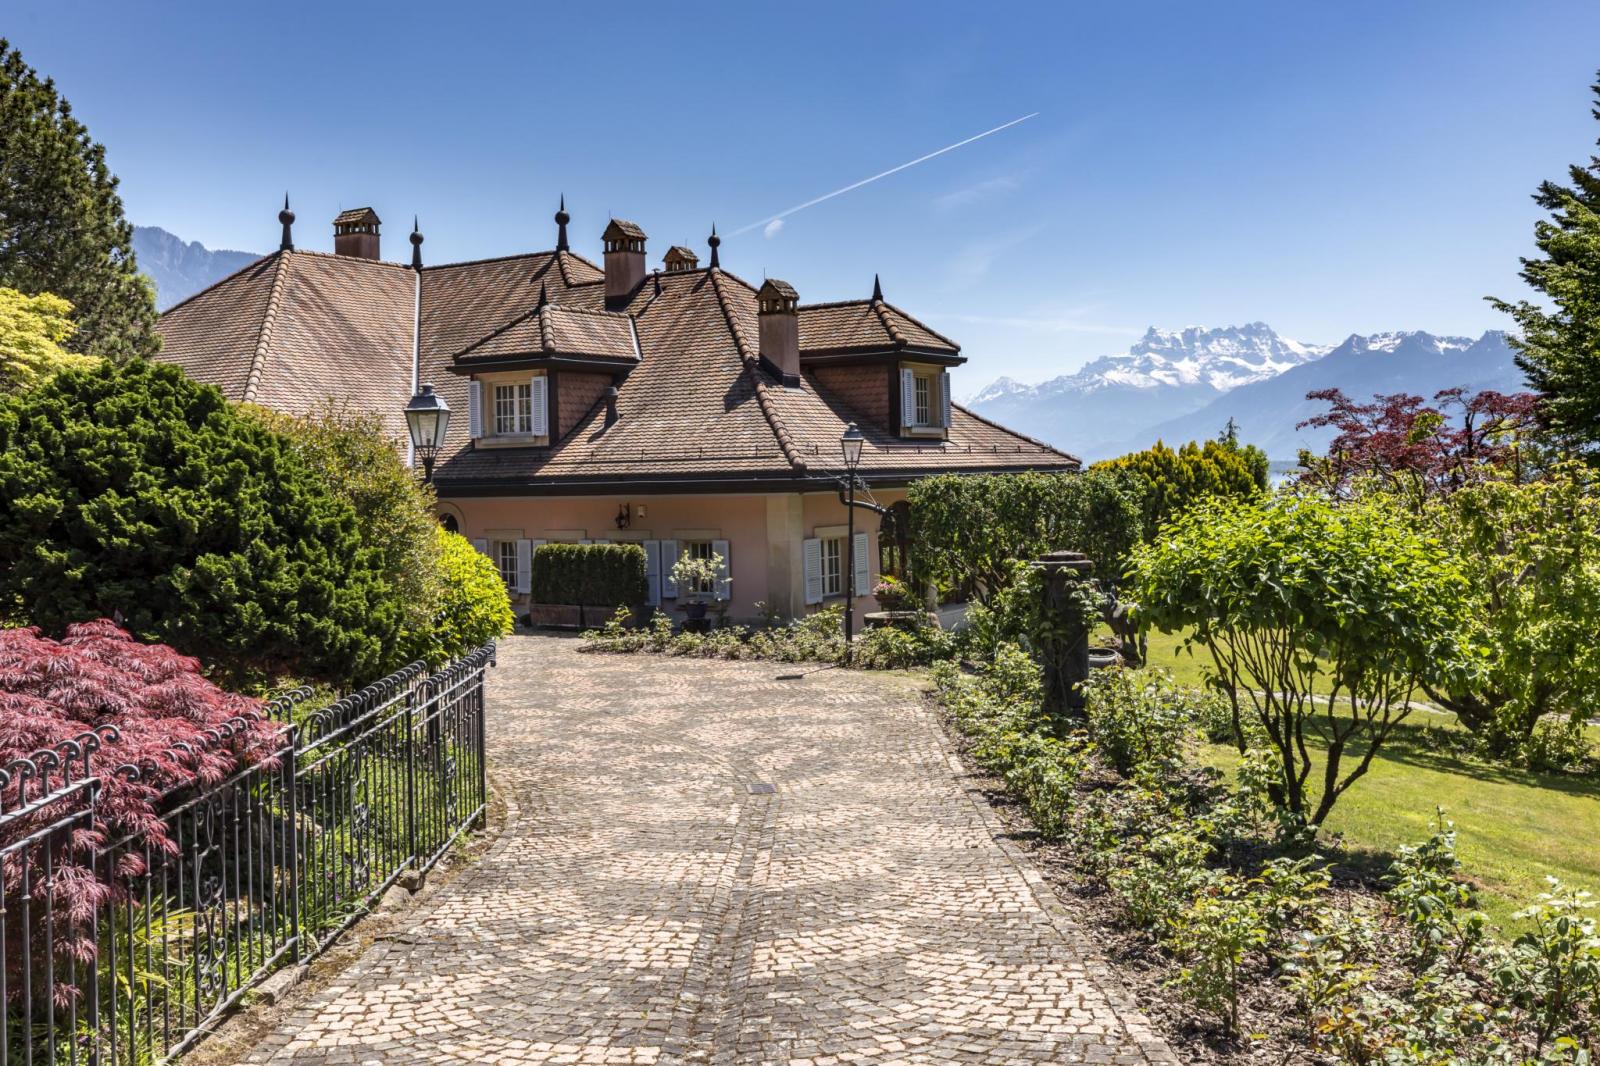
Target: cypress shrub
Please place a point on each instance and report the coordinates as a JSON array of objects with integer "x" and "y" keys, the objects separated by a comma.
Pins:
[{"x": 129, "y": 491}]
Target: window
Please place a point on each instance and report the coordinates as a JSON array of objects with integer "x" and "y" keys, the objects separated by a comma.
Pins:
[
  {"x": 505, "y": 558},
  {"x": 513, "y": 408},
  {"x": 924, "y": 400},
  {"x": 833, "y": 556}
]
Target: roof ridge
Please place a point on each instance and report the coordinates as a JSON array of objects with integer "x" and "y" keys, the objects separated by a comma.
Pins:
[
  {"x": 888, "y": 327},
  {"x": 752, "y": 368},
  {"x": 219, "y": 282},
  {"x": 918, "y": 322},
  {"x": 832, "y": 303},
  {"x": 350, "y": 258},
  {"x": 258, "y": 359},
  {"x": 1007, "y": 429},
  {"x": 547, "y": 342}
]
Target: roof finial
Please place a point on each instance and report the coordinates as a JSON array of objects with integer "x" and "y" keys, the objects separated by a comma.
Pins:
[
  {"x": 416, "y": 246},
  {"x": 562, "y": 218},
  {"x": 544, "y": 297},
  {"x": 877, "y": 290},
  {"x": 714, "y": 241},
  {"x": 286, "y": 216}
]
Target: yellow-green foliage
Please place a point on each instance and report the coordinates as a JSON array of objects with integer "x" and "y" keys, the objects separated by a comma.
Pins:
[
  {"x": 1175, "y": 479},
  {"x": 472, "y": 606},
  {"x": 32, "y": 332}
]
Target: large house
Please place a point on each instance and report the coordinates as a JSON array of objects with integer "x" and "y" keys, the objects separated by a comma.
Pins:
[{"x": 682, "y": 408}]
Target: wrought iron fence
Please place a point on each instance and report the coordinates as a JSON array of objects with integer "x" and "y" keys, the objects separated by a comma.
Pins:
[{"x": 122, "y": 951}]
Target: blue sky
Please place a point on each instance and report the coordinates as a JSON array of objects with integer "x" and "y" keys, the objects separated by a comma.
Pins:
[{"x": 1326, "y": 168}]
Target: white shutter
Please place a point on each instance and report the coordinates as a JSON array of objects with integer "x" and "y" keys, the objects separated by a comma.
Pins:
[
  {"x": 481, "y": 544},
  {"x": 908, "y": 397},
  {"x": 944, "y": 399},
  {"x": 541, "y": 405},
  {"x": 475, "y": 409},
  {"x": 524, "y": 566},
  {"x": 669, "y": 558},
  {"x": 863, "y": 567},
  {"x": 585, "y": 540},
  {"x": 724, "y": 575},
  {"x": 813, "y": 561},
  {"x": 652, "y": 572}
]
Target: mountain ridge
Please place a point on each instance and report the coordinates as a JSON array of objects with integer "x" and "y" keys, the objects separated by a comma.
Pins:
[{"x": 182, "y": 268}]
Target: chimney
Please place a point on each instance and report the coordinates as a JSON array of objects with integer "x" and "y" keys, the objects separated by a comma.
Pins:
[
  {"x": 679, "y": 259},
  {"x": 355, "y": 233},
  {"x": 611, "y": 406},
  {"x": 624, "y": 243},
  {"x": 780, "y": 329}
]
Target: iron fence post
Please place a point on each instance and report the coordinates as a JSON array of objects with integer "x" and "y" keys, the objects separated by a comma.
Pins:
[
  {"x": 292, "y": 806},
  {"x": 411, "y": 774},
  {"x": 480, "y": 723}
]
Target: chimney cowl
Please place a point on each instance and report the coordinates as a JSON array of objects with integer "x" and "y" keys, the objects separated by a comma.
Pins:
[
  {"x": 624, "y": 260},
  {"x": 611, "y": 405},
  {"x": 779, "y": 319},
  {"x": 679, "y": 259},
  {"x": 355, "y": 233}
]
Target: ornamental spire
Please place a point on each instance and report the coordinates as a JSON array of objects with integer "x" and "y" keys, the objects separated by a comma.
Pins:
[
  {"x": 416, "y": 246},
  {"x": 286, "y": 217},
  {"x": 877, "y": 290},
  {"x": 715, "y": 242},
  {"x": 562, "y": 218}
]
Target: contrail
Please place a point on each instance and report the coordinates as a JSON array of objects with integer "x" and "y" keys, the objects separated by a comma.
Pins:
[{"x": 868, "y": 181}]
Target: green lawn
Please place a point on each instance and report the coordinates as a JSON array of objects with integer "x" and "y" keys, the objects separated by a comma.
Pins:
[{"x": 1514, "y": 827}]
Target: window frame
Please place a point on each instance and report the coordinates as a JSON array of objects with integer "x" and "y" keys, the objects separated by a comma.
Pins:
[
  {"x": 520, "y": 408},
  {"x": 835, "y": 547},
  {"x": 507, "y": 575}
]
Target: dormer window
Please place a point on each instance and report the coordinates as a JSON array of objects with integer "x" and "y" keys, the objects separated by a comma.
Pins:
[
  {"x": 924, "y": 400},
  {"x": 509, "y": 409}
]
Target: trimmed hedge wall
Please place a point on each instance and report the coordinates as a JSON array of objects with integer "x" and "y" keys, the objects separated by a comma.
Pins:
[{"x": 604, "y": 575}]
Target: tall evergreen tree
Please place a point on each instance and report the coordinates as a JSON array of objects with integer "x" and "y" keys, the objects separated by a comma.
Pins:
[
  {"x": 61, "y": 224},
  {"x": 1559, "y": 349}
]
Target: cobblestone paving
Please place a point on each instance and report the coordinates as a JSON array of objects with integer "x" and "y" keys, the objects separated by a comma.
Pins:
[{"x": 651, "y": 900}]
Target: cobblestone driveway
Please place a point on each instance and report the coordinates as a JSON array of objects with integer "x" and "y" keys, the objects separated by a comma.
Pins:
[{"x": 705, "y": 863}]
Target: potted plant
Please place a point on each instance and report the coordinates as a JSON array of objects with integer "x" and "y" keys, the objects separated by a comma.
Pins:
[
  {"x": 893, "y": 594},
  {"x": 694, "y": 576}
]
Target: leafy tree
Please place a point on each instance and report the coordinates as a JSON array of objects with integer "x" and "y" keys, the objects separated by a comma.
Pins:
[
  {"x": 472, "y": 607},
  {"x": 357, "y": 459},
  {"x": 1559, "y": 348},
  {"x": 1420, "y": 451},
  {"x": 32, "y": 329},
  {"x": 1531, "y": 554},
  {"x": 61, "y": 224},
  {"x": 128, "y": 490},
  {"x": 1320, "y": 619},
  {"x": 1175, "y": 479},
  {"x": 966, "y": 530}
]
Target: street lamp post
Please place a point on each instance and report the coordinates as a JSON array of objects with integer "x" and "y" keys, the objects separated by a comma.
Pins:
[
  {"x": 428, "y": 418},
  {"x": 850, "y": 445}
]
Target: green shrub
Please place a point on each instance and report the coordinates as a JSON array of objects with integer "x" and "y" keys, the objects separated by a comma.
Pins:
[
  {"x": 1552, "y": 971},
  {"x": 605, "y": 575},
  {"x": 129, "y": 490},
  {"x": 470, "y": 606},
  {"x": 360, "y": 463},
  {"x": 1139, "y": 718},
  {"x": 1322, "y": 619},
  {"x": 1173, "y": 480},
  {"x": 1213, "y": 936},
  {"x": 1428, "y": 895},
  {"x": 966, "y": 530}
]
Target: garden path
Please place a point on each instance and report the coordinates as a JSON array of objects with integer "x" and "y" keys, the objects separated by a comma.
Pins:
[{"x": 711, "y": 862}]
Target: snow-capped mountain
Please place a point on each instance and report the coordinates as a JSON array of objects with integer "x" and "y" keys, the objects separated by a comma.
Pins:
[
  {"x": 1181, "y": 385},
  {"x": 1165, "y": 373}
]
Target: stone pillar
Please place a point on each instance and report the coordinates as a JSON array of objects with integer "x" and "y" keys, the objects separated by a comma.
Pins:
[{"x": 1064, "y": 640}]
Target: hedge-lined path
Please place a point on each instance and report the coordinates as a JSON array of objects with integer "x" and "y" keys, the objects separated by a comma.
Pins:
[{"x": 650, "y": 900}]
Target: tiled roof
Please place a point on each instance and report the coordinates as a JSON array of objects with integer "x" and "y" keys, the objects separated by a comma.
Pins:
[
  {"x": 296, "y": 328},
  {"x": 553, "y": 330},
  {"x": 866, "y": 325},
  {"x": 356, "y": 214},
  {"x": 621, "y": 227}
]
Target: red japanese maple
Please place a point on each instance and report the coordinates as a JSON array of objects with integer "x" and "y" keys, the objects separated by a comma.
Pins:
[
  {"x": 173, "y": 730},
  {"x": 1420, "y": 448}
]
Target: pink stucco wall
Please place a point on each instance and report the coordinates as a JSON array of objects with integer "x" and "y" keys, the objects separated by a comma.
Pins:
[{"x": 756, "y": 527}]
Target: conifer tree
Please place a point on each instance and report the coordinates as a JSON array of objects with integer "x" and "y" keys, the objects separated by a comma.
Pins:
[
  {"x": 1559, "y": 349},
  {"x": 61, "y": 224}
]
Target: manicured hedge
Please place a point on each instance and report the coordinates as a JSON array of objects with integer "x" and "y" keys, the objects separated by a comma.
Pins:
[{"x": 605, "y": 575}]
